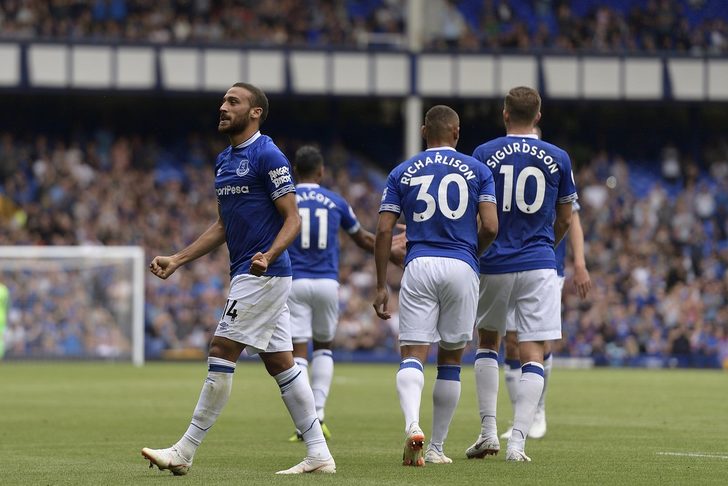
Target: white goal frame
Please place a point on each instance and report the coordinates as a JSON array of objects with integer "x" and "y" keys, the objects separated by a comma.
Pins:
[{"x": 135, "y": 253}]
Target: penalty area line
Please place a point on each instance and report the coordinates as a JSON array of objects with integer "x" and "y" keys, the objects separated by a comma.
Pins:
[{"x": 709, "y": 455}]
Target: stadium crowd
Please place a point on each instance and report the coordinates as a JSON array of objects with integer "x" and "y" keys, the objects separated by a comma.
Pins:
[
  {"x": 688, "y": 26},
  {"x": 656, "y": 246}
]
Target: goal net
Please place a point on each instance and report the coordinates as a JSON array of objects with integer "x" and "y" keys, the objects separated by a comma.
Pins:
[{"x": 72, "y": 302}]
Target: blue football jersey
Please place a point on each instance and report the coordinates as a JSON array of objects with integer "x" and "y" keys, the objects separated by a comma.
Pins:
[
  {"x": 438, "y": 191},
  {"x": 315, "y": 253},
  {"x": 531, "y": 178},
  {"x": 560, "y": 249},
  {"x": 248, "y": 178}
]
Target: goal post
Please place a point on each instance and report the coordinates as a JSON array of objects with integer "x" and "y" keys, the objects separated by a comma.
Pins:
[{"x": 82, "y": 302}]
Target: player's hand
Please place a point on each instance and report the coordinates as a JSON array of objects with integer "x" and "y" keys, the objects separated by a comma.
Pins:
[
  {"x": 258, "y": 264},
  {"x": 163, "y": 266},
  {"x": 582, "y": 281},
  {"x": 399, "y": 247},
  {"x": 380, "y": 304}
]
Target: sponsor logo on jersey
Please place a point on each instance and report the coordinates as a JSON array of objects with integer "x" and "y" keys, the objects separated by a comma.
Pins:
[
  {"x": 228, "y": 190},
  {"x": 280, "y": 176}
]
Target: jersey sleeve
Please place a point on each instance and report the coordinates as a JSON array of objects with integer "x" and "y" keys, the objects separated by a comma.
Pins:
[
  {"x": 567, "y": 187},
  {"x": 276, "y": 174},
  {"x": 391, "y": 198},
  {"x": 487, "y": 187},
  {"x": 349, "y": 222}
]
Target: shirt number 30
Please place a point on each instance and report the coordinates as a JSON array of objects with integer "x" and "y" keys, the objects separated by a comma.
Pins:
[{"x": 442, "y": 203}]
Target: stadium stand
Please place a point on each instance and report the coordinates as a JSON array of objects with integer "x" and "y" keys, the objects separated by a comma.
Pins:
[
  {"x": 687, "y": 26},
  {"x": 657, "y": 249},
  {"x": 656, "y": 224}
]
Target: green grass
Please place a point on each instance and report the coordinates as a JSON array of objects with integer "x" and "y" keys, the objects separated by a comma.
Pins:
[{"x": 85, "y": 424}]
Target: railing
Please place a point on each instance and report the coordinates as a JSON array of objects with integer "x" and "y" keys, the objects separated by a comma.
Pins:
[{"x": 43, "y": 65}]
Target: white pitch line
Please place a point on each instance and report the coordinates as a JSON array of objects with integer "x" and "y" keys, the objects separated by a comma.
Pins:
[{"x": 694, "y": 454}]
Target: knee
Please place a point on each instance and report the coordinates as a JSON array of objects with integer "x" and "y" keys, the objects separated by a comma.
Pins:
[
  {"x": 511, "y": 345},
  {"x": 277, "y": 363},
  {"x": 225, "y": 349}
]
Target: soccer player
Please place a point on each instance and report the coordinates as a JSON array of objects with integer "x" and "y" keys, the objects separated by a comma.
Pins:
[
  {"x": 257, "y": 218},
  {"x": 314, "y": 297},
  {"x": 4, "y": 304},
  {"x": 582, "y": 281},
  {"x": 441, "y": 194},
  {"x": 535, "y": 190}
]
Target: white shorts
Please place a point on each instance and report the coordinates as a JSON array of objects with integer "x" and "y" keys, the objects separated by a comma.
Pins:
[
  {"x": 533, "y": 298},
  {"x": 437, "y": 301},
  {"x": 314, "y": 305},
  {"x": 256, "y": 314},
  {"x": 511, "y": 317}
]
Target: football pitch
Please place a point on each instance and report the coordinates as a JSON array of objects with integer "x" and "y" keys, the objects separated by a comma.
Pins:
[{"x": 85, "y": 423}]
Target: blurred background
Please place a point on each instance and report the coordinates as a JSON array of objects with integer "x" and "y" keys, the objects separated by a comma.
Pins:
[{"x": 108, "y": 137}]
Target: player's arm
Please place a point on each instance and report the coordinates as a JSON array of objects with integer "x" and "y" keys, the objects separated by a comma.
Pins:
[
  {"x": 563, "y": 221},
  {"x": 288, "y": 209},
  {"x": 365, "y": 240},
  {"x": 488, "y": 228},
  {"x": 576, "y": 242},
  {"x": 214, "y": 236},
  {"x": 382, "y": 252}
]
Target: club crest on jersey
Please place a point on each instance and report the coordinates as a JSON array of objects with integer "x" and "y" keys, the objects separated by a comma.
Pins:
[{"x": 243, "y": 168}]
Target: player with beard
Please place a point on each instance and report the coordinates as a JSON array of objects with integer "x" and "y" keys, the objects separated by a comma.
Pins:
[{"x": 258, "y": 219}]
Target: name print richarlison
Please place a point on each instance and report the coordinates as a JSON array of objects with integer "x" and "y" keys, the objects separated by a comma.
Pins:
[
  {"x": 522, "y": 147},
  {"x": 439, "y": 158}
]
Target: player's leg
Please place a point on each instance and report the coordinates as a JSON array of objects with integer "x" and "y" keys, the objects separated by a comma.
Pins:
[
  {"x": 298, "y": 398},
  {"x": 324, "y": 320},
  {"x": 458, "y": 300},
  {"x": 216, "y": 389},
  {"x": 493, "y": 307},
  {"x": 512, "y": 367},
  {"x": 417, "y": 329},
  {"x": 538, "y": 319},
  {"x": 299, "y": 304},
  {"x": 445, "y": 398},
  {"x": 538, "y": 427},
  {"x": 410, "y": 381},
  {"x": 231, "y": 337},
  {"x": 277, "y": 355},
  {"x": 530, "y": 387}
]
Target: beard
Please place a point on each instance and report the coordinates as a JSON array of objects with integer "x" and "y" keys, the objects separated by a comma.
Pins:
[{"x": 234, "y": 127}]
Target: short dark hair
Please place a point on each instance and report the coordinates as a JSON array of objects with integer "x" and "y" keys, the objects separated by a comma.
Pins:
[
  {"x": 522, "y": 104},
  {"x": 439, "y": 119},
  {"x": 258, "y": 99},
  {"x": 308, "y": 160}
]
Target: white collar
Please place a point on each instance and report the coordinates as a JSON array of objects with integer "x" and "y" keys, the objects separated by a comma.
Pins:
[
  {"x": 307, "y": 184},
  {"x": 252, "y": 139},
  {"x": 444, "y": 147},
  {"x": 523, "y": 135}
]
